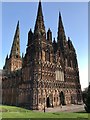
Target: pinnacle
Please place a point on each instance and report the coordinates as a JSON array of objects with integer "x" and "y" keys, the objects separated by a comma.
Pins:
[
  {"x": 54, "y": 41},
  {"x": 49, "y": 29},
  {"x": 60, "y": 21},
  {"x": 60, "y": 25},
  {"x": 59, "y": 14},
  {"x": 17, "y": 24}
]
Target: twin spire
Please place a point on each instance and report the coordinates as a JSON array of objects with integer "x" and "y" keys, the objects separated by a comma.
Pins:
[
  {"x": 15, "y": 50},
  {"x": 61, "y": 39},
  {"x": 60, "y": 24}
]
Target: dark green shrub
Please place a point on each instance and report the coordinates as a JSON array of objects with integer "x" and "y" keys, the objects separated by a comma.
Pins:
[{"x": 87, "y": 103}]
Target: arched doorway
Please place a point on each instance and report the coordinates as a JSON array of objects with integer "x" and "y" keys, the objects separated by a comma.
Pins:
[
  {"x": 48, "y": 102},
  {"x": 62, "y": 98},
  {"x": 72, "y": 99}
]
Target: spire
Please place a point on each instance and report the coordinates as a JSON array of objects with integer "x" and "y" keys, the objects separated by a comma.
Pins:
[
  {"x": 7, "y": 57},
  {"x": 61, "y": 33},
  {"x": 49, "y": 35},
  {"x": 40, "y": 9},
  {"x": 18, "y": 25},
  {"x": 70, "y": 45},
  {"x": 30, "y": 37},
  {"x": 15, "y": 50},
  {"x": 54, "y": 45},
  {"x": 39, "y": 25},
  {"x": 60, "y": 24}
]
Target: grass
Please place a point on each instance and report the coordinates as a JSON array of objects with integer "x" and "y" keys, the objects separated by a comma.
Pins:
[{"x": 17, "y": 112}]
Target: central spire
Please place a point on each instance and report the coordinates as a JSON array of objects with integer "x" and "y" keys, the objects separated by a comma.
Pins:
[
  {"x": 39, "y": 25},
  {"x": 61, "y": 33},
  {"x": 40, "y": 9}
]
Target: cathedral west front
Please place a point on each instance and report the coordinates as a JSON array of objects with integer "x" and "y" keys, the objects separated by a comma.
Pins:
[{"x": 47, "y": 75}]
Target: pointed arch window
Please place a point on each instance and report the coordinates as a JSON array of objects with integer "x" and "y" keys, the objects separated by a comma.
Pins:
[{"x": 47, "y": 55}]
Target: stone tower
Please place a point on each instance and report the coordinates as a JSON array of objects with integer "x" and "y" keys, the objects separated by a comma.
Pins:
[{"x": 14, "y": 61}]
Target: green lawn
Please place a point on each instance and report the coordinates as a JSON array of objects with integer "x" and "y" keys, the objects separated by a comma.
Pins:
[{"x": 17, "y": 112}]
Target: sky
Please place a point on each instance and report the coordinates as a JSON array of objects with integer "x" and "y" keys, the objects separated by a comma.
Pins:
[{"x": 75, "y": 21}]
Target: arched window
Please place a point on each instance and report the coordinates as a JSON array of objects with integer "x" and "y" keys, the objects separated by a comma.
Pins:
[{"x": 59, "y": 75}]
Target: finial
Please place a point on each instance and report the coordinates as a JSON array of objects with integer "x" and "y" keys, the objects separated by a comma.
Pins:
[
  {"x": 18, "y": 24},
  {"x": 68, "y": 38},
  {"x": 39, "y": 1},
  {"x": 30, "y": 30},
  {"x": 17, "y": 28},
  {"x": 49, "y": 30},
  {"x": 54, "y": 40},
  {"x": 59, "y": 15}
]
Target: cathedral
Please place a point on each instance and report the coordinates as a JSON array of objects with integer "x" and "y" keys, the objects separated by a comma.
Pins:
[{"x": 47, "y": 75}]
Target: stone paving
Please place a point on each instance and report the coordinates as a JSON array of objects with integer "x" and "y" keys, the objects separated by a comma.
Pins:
[{"x": 68, "y": 108}]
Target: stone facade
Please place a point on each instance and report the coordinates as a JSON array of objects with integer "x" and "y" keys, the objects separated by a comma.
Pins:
[{"x": 48, "y": 74}]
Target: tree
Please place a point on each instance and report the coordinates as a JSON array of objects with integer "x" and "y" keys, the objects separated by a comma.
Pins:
[
  {"x": 84, "y": 95},
  {"x": 87, "y": 103}
]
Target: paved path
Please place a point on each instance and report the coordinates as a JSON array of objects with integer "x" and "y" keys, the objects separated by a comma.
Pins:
[{"x": 68, "y": 108}]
